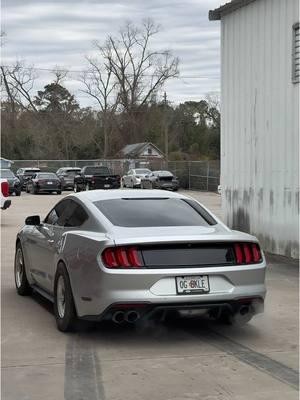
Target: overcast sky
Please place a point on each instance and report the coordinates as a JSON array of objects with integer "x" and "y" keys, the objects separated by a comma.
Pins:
[{"x": 47, "y": 33}]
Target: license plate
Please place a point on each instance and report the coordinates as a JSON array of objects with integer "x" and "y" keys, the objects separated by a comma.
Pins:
[
  {"x": 192, "y": 284},
  {"x": 50, "y": 183},
  {"x": 107, "y": 186}
]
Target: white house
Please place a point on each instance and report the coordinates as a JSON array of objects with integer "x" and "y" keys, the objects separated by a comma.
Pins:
[{"x": 260, "y": 120}]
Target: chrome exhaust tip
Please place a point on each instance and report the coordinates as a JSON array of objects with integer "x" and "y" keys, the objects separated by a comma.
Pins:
[
  {"x": 118, "y": 317},
  {"x": 132, "y": 316}
]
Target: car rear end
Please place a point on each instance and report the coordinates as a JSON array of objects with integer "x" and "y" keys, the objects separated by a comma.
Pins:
[
  {"x": 26, "y": 176},
  {"x": 166, "y": 180},
  {"x": 182, "y": 276},
  {"x": 5, "y": 202},
  {"x": 147, "y": 268},
  {"x": 47, "y": 183},
  {"x": 67, "y": 178},
  {"x": 105, "y": 182}
]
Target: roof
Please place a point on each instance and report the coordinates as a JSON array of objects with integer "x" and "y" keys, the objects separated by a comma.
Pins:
[
  {"x": 133, "y": 150},
  {"x": 96, "y": 195},
  {"x": 227, "y": 8},
  {"x": 5, "y": 159}
]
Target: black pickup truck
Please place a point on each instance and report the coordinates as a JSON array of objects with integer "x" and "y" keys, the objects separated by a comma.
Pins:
[{"x": 95, "y": 178}]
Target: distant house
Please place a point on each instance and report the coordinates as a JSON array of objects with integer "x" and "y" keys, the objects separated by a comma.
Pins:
[
  {"x": 147, "y": 151},
  {"x": 4, "y": 163}
]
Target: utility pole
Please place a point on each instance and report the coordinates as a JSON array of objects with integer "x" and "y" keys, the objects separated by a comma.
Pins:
[{"x": 166, "y": 127}]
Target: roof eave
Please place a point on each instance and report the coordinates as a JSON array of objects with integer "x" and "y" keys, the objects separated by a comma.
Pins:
[{"x": 218, "y": 13}]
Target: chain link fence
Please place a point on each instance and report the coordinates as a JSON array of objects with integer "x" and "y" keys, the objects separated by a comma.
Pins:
[{"x": 193, "y": 175}]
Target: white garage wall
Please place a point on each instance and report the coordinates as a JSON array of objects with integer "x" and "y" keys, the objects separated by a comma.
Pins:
[{"x": 260, "y": 124}]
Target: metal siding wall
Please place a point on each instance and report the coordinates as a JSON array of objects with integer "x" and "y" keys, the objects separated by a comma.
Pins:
[{"x": 260, "y": 124}]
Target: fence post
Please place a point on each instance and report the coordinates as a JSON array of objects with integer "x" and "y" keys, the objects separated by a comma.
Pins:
[
  {"x": 189, "y": 167},
  {"x": 207, "y": 178}
]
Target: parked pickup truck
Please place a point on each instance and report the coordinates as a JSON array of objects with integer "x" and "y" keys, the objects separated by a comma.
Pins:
[{"x": 95, "y": 178}]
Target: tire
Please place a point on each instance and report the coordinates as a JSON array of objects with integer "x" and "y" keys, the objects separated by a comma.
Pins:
[
  {"x": 76, "y": 188},
  {"x": 21, "y": 282},
  {"x": 58, "y": 192},
  {"x": 18, "y": 193},
  {"x": 64, "y": 308}
]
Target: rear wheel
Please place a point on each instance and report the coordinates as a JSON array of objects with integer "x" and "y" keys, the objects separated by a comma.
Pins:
[
  {"x": 58, "y": 192},
  {"x": 22, "y": 285},
  {"x": 64, "y": 308}
]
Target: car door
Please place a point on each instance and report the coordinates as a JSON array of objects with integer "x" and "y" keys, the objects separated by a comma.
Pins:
[{"x": 45, "y": 244}]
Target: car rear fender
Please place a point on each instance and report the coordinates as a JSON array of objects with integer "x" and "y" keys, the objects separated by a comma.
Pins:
[{"x": 79, "y": 252}]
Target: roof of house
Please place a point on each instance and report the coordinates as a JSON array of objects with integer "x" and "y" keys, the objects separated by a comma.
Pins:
[
  {"x": 227, "y": 8},
  {"x": 133, "y": 150}
]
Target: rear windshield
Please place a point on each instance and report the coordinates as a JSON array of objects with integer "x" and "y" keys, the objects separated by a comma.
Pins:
[
  {"x": 72, "y": 172},
  {"x": 162, "y": 173},
  {"x": 6, "y": 174},
  {"x": 142, "y": 171},
  {"x": 31, "y": 171},
  {"x": 47, "y": 176},
  {"x": 146, "y": 212},
  {"x": 96, "y": 171}
]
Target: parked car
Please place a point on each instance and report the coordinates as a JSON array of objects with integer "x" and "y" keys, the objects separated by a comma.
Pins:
[
  {"x": 126, "y": 255},
  {"x": 160, "y": 180},
  {"x": 24, "y": 174},
  {"x": 43, "y": 182},
  {"x": 66, "y": 176},
  {"x": 5, "y": 202},
  {"x": 134, "y": 176},
  {"x": 13, "y": 182},
  {"x": 96, "y": 177}
]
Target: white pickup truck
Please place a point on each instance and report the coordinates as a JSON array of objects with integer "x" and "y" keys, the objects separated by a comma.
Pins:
[{"x": 5, "y": 202}]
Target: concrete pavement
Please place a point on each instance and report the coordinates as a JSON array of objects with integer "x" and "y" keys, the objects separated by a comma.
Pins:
[{"x": 179, "y": 360}]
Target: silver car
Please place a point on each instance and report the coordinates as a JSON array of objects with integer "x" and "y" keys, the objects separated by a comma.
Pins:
[
  {"x": 127, "y": 255},
  {"x": 134, "y": 177}
]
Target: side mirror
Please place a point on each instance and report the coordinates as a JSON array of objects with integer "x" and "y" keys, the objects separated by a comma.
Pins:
[{"x": 33, "y": 220}]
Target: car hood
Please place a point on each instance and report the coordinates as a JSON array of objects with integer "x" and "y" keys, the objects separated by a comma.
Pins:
[{"x": 177, "y": 234}]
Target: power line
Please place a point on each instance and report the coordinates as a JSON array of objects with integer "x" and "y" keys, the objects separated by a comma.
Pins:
[{"x": 70, "y": 71}]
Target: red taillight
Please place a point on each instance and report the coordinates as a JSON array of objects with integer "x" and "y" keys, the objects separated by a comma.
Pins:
[
  {"x": 247, "y": 253},
  {"x": 238, "y": 253},
  {"x": 256, "y": 252},
  {"x": 109, "y": 258},
  {"x": 122, "y": 257},
  {"x": 5, "y": 189}
]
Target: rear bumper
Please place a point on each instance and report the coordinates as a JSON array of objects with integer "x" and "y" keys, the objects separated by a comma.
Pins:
[
  {"x": 157, "y": 288},
  {"x": 49, "y": 188}
]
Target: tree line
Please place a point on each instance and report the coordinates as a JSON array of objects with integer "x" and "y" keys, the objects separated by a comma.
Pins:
[{"x": 126, "y": 79}]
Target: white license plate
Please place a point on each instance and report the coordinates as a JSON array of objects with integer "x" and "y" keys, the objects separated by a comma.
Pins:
[
  {"x": 107, "y": 186},
  {"x": 50, "y": 183},
  {"x": 192, "y": 284}
]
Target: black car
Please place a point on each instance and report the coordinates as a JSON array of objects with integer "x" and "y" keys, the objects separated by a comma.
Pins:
[
  {"x": 13, "y": 182},
  {"x": 24, "y": 174},
  {"x": 46, "y": 182},
  {"x": 160, "y": 180},
  {"x": 96, "y": 177},
  {"x": 66, "y": 176}
]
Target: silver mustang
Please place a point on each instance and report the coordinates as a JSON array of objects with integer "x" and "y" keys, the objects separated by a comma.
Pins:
[{"x": 127, "y": 255}]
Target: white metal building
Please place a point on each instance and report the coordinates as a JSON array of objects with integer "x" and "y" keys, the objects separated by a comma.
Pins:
[{"x": 260, "y": 120}]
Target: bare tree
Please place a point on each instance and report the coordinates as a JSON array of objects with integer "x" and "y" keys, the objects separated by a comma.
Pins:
[
  {"x": 139, "y": 71},
  {"x": 60, "y": 74},
  {"x": 98, "y": 83},
  {"x": 19, "y": 83},
  {"x": 136, "y": 73}
]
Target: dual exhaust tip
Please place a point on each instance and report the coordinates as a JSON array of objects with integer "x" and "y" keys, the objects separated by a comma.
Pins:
[{"x": 130, "y": 316}]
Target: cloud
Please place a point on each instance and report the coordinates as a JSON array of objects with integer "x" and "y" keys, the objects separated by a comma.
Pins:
[{"x": 61, "y": 32}]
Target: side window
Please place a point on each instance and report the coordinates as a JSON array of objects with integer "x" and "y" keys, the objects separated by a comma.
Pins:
[
  {"x": 75, "y": 216},
  {"x": 55, "y": 216}
]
